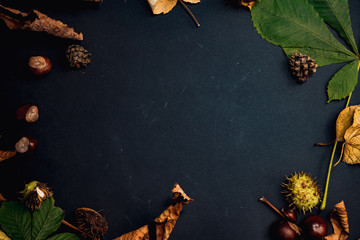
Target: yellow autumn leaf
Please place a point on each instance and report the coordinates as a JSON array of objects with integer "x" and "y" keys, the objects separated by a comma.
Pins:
[
  {"x": 165, "y": 6},
  {"x": 344, "y": 121},
  {"x": 351, "y": 147},
  {"x": 3, "y": 236}
]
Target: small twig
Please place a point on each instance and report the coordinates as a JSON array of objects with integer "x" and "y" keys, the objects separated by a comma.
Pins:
[
  {"x": 70, "y": 225},
  {"x": 325, "y": 144},
  {"x": 264, "y": 200},
  {"x": 190, "y": 13}
]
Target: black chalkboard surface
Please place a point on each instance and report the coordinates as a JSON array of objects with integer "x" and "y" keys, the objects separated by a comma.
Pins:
[{"x": 213, "y": 108}]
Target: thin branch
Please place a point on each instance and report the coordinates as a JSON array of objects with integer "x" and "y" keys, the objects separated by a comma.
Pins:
[{"x": 190, "y": 13}]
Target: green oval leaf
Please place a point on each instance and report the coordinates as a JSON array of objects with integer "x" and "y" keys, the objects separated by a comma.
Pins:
[
  {"x": 344, "y": 81},
  {"x": 336, "y": 13},
  {"x": 15, "y": 220},
  {"x": 296, "y": 25},
  {"x": 64, "y": 236},
  {"x": 46, "y": 220}
]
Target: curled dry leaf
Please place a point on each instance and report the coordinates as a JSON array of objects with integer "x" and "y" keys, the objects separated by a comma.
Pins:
[
  {"x": 340, "y": 223},
  {"x": 351, "y": 147},
  {"x": 6, "y": 155},
  {"x": 165, "y": 223},
  {"x": 38, "y": 22},
  {"x": 165, "y": 6},
  {"x": 344, "y": 121}
]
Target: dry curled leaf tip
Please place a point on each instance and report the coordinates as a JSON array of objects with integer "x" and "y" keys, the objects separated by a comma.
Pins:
[
  {"x": 339, "y": 221},
  {"x": 165, "y": 223}
]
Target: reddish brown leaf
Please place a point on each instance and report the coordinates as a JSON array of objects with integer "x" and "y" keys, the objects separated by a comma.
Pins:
[
  {"x": 2, "y": 199},
  {"x": 340, "y": 223},
  {"x": 6, "y": 155},
  {"x": 344, "y": 121},
  {"x": 165, "y": 223}
]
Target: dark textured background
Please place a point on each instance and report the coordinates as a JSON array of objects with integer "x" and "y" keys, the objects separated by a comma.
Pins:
[{"x": 213, "y": 108}]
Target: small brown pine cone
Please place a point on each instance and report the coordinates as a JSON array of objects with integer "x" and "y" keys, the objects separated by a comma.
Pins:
[
  {"x": 78, "y": 56},
  {"x": 302, "y": 66}
]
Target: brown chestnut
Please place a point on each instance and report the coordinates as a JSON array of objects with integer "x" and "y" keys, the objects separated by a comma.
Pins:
[
  {"x": 281, "y": 230},
  {"x": 40, "y": 65},
  {"x": 26, "y": 144},
  {"x": 28, "y": 113},
  {"x": 290, "y": 214},
  {"x": 314, "y": 227}
]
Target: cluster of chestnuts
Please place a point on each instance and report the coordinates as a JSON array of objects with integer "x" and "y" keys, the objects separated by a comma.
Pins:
[
  {"x": 27, "y": 113},
  {"x": 313, "y": 227}
]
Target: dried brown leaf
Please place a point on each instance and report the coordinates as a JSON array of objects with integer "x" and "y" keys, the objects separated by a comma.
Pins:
[
  {"x": 340, "y": 223},
  {"x": 2, "y": 199},
  {"x": 344, "y": 121},
  {"x": 247, "y": 3},
  {"x": 6, "y": 155},
  {"x": 351, "y": 146},
  {"x": 37, "y": 21},
  {"x": 165, "y": 6},
  {"x": 165, "y": 223}
]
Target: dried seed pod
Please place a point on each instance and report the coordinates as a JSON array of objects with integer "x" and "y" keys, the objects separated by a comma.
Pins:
[
  {"x": 302, "y": 191},
  {"x": 34, "y": 194},
  {"x": 78, "y": 56},
  {"x": 28, "y": 113},
  {"x": 302, "y": 66},
  {"x": 93, "y": 225}
]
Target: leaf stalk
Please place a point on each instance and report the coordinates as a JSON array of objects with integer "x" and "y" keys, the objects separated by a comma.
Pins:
[{"x": 323, "y": 204}]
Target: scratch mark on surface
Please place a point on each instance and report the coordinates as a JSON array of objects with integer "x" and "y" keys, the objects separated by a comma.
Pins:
[{"x": 128, "y": 219}]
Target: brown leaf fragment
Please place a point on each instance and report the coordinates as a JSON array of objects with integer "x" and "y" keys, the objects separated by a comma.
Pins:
[
  {"x": 165, "y": 223},
  {"x": 247, "y": 3},
  {"x": 165, "y": 6},
  {"x": 2, "y": 199},
  {"x": 295, "y": 227},
  {"x": 38, "y": 22},
  {"x": 139, "y": 234},
  {"x": 340, "y": 223},
  {"x": 344, "y": 121},
  {"x": 4, "y": 155}
]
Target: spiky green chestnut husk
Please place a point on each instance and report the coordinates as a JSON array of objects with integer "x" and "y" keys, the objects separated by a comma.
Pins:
[
  {"x": 302, "y": 191},
  {"x": 34, "y": 194}
]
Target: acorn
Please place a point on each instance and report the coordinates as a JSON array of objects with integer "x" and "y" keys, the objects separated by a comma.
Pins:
[
  {"x": 302, "y": 191},
  {"x": 34, "y": 194},
  {"x": 92, "y": 225}
]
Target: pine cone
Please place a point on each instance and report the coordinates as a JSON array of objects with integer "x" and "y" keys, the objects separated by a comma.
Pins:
[
  {"x": 302, "y": 66},
  {"x": 78, "y": 56}
]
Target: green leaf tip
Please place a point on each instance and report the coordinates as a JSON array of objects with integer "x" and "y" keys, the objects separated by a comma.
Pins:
[{"x": 344, "y": 81}]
